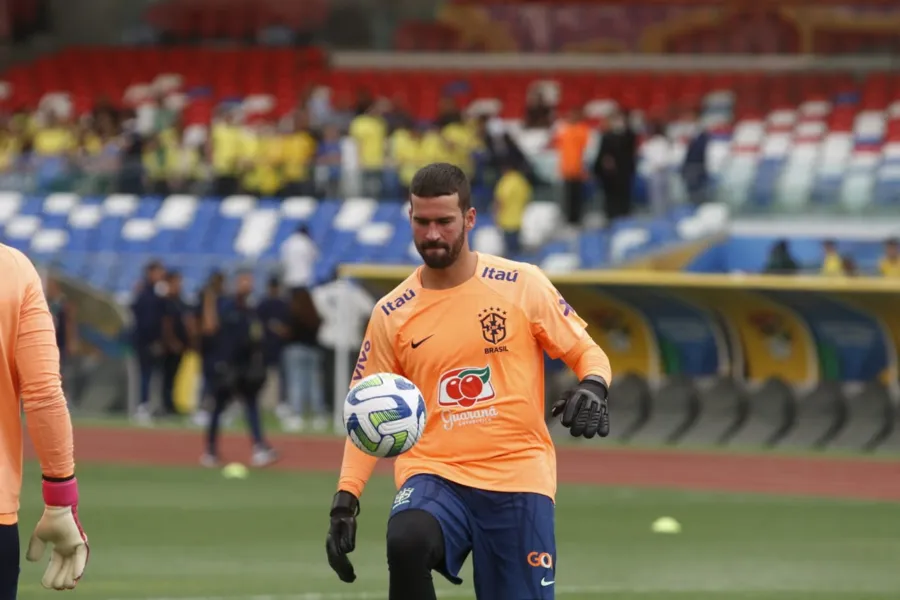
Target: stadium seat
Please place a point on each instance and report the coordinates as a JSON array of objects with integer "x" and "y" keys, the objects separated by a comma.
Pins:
[
  {"x": 626, "y": 242},
  {"x": 870, "y": 414},
  {"x": 796, "y": 181},
  {"x": 819, "y": 416},
  {"x": 540, "y": 221},
  {"x": 561, "y": 262},
  {"x": 674, "y": 410},
  {"x": 771, "y": 414},
  {"x": 488, "y": 240},
  {"x": 723, "y": 408},
  {"x": 256, "y": 232},
  {"x": 20, "y": 230}
]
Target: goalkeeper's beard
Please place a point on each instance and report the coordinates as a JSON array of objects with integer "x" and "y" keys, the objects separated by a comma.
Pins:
[{"x": 444, "y": 259}]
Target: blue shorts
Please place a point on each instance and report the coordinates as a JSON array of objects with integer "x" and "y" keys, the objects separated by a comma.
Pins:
[
  {"x": 511, "y": 535},
  {"x": 9, "y": 561}
]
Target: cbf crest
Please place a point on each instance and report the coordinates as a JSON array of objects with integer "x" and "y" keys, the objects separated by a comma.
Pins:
[{"x": 493, "y": 325}]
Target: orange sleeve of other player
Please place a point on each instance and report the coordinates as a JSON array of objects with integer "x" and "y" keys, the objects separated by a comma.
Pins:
[
  {"x": 561, "y": 332},
  {"x": 37, "y": 364},
  {"x": 377, "y": 355}
]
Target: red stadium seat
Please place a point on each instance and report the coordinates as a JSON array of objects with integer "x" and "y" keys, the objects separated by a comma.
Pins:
[{"x": 284, "y": 73}]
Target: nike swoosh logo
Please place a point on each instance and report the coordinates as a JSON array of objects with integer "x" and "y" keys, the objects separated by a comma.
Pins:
[
  {"x": 415, "y": 344},
  {"x": 545, "y": 583}
]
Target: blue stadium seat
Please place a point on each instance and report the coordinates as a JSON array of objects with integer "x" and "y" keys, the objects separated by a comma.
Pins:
[
  {"x": 593, "y": 246},
  {"x": 106, "y": 241}
]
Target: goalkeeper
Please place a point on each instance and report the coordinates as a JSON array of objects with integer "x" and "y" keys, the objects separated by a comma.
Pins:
[
  {"x": 470, "y": 330},
  {"x": 29, "y": 370}
]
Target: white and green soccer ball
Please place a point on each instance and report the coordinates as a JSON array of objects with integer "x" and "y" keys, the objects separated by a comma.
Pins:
[{"x": 384, "y": 414}]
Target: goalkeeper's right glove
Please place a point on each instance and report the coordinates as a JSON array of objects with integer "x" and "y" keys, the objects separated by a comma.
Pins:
[
  {"x": 341, "y": 538},
  {"x": 59, "y": 526}
]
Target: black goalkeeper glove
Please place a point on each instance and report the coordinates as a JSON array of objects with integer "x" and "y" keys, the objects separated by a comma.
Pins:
[
  {"x": 341, "y": 538},
  {"x": 584, "y": 409}
]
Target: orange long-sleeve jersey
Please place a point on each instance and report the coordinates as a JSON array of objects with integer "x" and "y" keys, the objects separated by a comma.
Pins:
[
  {"x": 476, "y": 353},
  {"x": 29, "y": 373}
]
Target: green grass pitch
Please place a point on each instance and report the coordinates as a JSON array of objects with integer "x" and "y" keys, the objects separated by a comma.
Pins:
[{"x": 189, "y": 533}]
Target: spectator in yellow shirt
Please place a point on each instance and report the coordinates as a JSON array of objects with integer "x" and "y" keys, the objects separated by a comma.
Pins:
[
  {"x": 434, "y": 146},
  {"x": 54, "y": 146},
  {"x": 511, "y": 195},
  {"x": 268, "y": 161},
  {"x": 462, "y": 139},
  {"x": 181, "y": 165},
  {"x": 369, "y": 131},
  {"x": 54, "y": 138},
  {"x": 11, "y": 142},
  {"x": 224, "y": 150},
  {"x": 832, "y": 263},
  {"x": 298, "y": 153},
  {"x": 890, "y": 262},
  {"x": 101, "y": 155},
  {"x": 153, "y": 161},
  {"x": 248, "y": 157},
  {"x": 406, "y": 148}
]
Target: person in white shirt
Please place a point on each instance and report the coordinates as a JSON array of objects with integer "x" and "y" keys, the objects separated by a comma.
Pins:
[
  {"x": 345, "y": 308},
  {"x": 298, "y": 259},
  {"x": 656, "y": 153}
]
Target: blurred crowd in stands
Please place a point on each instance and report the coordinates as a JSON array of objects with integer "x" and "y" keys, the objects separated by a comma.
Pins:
[{"x": 371, "y": 147}]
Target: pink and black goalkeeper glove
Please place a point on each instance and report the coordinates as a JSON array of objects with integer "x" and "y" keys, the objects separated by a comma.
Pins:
[{"x": 59, "y": 527}]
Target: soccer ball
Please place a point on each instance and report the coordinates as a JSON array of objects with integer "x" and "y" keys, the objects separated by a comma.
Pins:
[{"x": 384, "y": 415}]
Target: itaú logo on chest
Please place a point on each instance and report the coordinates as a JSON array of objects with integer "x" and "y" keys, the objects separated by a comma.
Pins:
[{"x": 465, "y": 386}]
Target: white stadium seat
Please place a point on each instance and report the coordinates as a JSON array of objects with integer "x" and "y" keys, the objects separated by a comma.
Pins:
[
  {"x": 23, "y": 226},
  {"x": 49, "y": 241},
  {"x": 488, "y": 240},
  {"x": 814, "y": 109},
  {"x": 354, "y": 213},
  {"x": 237, "y": 206},
  {"x": 257, "y": 231},
  {"x": 60, "y": 203},
  {"x": 120, "y": 205},
  {"x": 834, "y": 153},
  {"x": 561, "y": 262},
  {"x": 9, "y": 205},
  {"x": 177, "y": 211},
  {"x": 375, "y": 234},
  {"x": 299, "y": 207},
  {"x": 139, "y": 229},
  {"x": 85, "y": 216}
]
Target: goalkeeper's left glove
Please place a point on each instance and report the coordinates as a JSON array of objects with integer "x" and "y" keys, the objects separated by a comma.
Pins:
[
  {"x": 584, "y": 408},
  {"x": 59, "y": 526},
  {"x": 341, "y": 539}
]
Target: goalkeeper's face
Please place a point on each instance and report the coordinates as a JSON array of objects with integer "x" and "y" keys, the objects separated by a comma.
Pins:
[{"x": 439, "y": 229}]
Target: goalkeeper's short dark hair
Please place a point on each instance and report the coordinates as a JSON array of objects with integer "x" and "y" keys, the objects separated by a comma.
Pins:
[{"x": 442, "y": 179}]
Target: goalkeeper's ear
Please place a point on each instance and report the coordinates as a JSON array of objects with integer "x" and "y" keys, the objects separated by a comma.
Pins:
[{"x": 469, "y": 219}]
